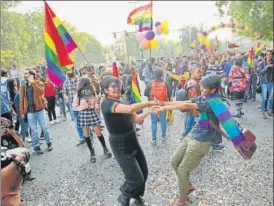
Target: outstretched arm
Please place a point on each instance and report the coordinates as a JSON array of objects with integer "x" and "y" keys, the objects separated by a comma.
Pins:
[{"x": 130, "y": 109}]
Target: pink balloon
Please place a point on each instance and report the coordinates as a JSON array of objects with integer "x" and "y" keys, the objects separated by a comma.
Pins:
[{"x": 140, "y": 36}]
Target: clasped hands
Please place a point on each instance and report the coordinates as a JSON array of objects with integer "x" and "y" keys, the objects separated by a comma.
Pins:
[{"x": 156, "y": 107}]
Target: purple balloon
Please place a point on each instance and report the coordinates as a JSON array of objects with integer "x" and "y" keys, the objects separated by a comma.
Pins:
[
  {"x": 150, "y": 35},
  {"x": 157, "y": 23},
  {"x": 202, "y": 46},
  {"x": 205, "y": 33}
]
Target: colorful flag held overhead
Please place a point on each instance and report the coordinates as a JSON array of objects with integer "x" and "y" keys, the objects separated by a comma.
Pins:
[
  {"x": 142, "y": 17},
  {"x": 258, "y": 48},
  {"x": 56, "y": 53},
  {"x": 135, "y": 96},
  {"x": 250, "y": 58},
  {"x": 115, "y": 71}
]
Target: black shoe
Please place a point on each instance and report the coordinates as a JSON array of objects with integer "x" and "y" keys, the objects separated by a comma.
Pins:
[
  {"x": 102, "y": 126},
  {"x": 92, "y": 156},
  {"x": 80, "y": 143},
  {"x": 107, "y": 153},
  {"x": 38, "y": 150},
  {"x": 29, "y": 177},
  {"x": 137, "y": 129},
  {"x": 123, "y": 200},
  {"x": 140, "y": 201},
  {"x": 217, "y": 147},
  {"x": 50, "y": 147}
]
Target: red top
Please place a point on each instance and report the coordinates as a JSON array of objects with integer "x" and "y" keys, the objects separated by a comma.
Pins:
[{"x": 50, "y": 91}]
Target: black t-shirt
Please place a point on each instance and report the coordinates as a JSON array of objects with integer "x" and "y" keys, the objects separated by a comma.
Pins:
[{"x": 117, "y": 123}]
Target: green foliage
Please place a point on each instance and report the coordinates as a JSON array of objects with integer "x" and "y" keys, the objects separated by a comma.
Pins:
[
  {"x": 257, "y": 15},
  {"x": 22, "y": 37}
]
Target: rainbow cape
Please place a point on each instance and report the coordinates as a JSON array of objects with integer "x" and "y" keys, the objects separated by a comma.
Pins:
[
  {"x": 58, "y": 45},
  {"x": 141, "y": 16},
  {"x": 225, "y": 118}
]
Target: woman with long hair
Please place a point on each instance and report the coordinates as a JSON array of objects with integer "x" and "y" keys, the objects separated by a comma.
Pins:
[{"x": 85, "y": 102}]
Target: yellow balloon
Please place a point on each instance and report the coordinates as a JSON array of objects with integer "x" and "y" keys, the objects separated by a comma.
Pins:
[
  {"x": 165, "y": 31},
  {"x": 201, "y": 38},
  {"x": 154, "y": 43},
  {"x": 165, "y": 24},
  {"x": 207, "y": 43}
]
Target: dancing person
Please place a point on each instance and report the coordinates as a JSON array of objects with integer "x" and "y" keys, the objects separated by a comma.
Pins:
[
  {"x": 85, "y": 102},
  {"x": 197, "y": 144},
  {"x": 120, "y": 119}
]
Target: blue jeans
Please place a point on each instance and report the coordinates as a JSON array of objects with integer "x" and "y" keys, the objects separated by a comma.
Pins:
[
  {"x": 189, "y": 123},
  {"x": 24, "y": 128},
  {"x": 267, "y": 88},
  {"x": 62, "y": 106},
  {"x": 154, "y": 121},
  {"x": 39, "y": 117},
  {"x": 79, "y": 129}
]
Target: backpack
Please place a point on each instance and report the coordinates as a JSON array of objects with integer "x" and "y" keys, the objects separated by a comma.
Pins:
[{"x": 159, "y": 90}]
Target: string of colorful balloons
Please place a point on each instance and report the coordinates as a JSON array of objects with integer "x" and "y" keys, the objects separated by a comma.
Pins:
[{"x": 147, "y": 40}]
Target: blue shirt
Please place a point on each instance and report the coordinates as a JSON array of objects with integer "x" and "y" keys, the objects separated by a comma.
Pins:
[
  {"x": 227, "y": 67},
  {"x": 5, "y": 99},
  {"x": 204, "y": 134}
]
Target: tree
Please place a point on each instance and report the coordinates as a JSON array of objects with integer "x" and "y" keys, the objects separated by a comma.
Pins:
[{"x": 257, "y": 15}]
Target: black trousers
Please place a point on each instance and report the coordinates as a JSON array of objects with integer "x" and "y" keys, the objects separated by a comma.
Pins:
[
  {"x": 130, "y": 156},
  {"x": 51, "y": 108}
]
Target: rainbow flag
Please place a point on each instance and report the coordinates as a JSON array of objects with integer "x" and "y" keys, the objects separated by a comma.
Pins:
[
  {"x": 57, "y": 47},
  {"x": 135, "y": 96},
  {"x": 141, "y": 16},
  {"x": 258, "y": 48},
  {"x": 250, "y": 58}
]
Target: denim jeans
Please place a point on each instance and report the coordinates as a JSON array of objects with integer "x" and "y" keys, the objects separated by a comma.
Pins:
[
  {"x": 24, "y": 125},
  {"x": 253, "y": 87},
  {"x": 154, "y": 121},
  {"x": 39, "y": 117},
  {"x": 267, "y": 88},
  {"x": 62, "y": 106},
  {"x": 79, "y": 129},
  {"x": 189, "y": 123}
]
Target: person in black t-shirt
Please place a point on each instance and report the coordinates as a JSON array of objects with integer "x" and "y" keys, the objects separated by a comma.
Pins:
[{"x": 120, "y": 119}]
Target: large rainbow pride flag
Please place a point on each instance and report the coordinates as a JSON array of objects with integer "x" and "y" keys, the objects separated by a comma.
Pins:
[
  {"x": 141, "y": 16},
  {"x": 58, "y": 45}
]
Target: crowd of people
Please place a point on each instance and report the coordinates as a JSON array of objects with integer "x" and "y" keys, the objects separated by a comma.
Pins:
[{"x": 93, "y": 94}]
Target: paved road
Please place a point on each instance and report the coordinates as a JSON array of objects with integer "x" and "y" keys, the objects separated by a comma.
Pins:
[{"x": 65, "y": 176}]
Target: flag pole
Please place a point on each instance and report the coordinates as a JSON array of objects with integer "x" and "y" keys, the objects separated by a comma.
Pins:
[{"x": 151, "y": 26}]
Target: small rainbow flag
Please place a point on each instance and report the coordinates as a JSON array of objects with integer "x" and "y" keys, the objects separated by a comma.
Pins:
[
  {"x": 141, "y": 16},
  {"x": 58, "y": 45},
  {"x": 250, "y": 58},
  {"x": 135, "y": 96},
  {"x": 258, "y": 48}
]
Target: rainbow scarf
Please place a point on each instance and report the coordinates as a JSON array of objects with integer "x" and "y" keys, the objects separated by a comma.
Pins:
[{"x": 225, "y": 118}]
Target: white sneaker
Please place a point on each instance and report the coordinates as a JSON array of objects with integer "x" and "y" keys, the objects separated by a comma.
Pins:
[
  {"x": 153, "y": 142},
  {"x": 28, "y": 139},
  {"x": 56, "y": 121},
  {"x": 52, "y": 122}
]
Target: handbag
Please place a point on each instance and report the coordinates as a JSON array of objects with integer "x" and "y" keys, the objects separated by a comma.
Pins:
[{"x": 246, "y": 148}]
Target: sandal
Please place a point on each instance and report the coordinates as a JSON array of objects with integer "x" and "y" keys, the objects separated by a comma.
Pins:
[
  {"x": 191, "y": 189},
  {"x": 185, "y": 203}
]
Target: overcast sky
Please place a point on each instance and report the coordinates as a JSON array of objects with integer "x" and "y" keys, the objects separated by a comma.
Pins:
[{"x": 101, "y": 18}]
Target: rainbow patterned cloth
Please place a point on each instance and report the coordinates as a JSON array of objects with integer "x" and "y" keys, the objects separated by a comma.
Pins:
[{"x": 225, "y": 118}]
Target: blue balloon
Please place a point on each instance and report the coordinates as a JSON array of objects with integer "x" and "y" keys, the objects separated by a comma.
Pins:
[{"x": 157, "y": 23}]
